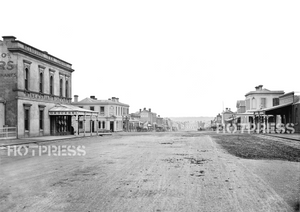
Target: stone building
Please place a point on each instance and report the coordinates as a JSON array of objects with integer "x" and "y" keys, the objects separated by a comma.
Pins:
[
  {"x": 31, "y": 83},
  {"x": 111, "y": 113}
]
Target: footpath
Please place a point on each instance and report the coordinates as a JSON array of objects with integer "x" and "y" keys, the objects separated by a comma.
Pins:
[
  {"x": 295, "y": 136},
  {"x": 36, "y": 140}
]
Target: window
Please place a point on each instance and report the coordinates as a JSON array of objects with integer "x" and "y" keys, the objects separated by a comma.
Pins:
[
  {"x": 41, "y": 82},
  {"x": 51, "y": 85},
  {"x": 103, "y": 125},
  {"x": 92, "y": 108},
  {"x": 296, "y": 115},
  {"x": 275, "y": 101},
  {"x": 26, "y": 118},
  {"x": 80, "y": 124},
  {"x": 67, "y": 88},
  {"x": 253, "y": 106},
  {"x": 26, "y": 77},
  {"x": 102, "y": 109},
  {"x": 80, "y": 106},
  {"x": 41, "y": 119},
  {"x": 61, "y": 87},
  {"x": 248, "y": 104},
  {"x": 263, "y": 102}
]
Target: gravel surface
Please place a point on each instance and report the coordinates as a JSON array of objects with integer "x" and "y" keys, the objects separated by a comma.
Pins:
[{"x": 136, "y": 172}]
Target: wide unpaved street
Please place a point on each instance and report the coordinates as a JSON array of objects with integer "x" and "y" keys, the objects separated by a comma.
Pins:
[{"x": 136, "y": 172}]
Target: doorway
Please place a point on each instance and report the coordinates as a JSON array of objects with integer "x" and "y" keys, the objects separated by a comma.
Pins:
[{"x": 111, "y": 126}]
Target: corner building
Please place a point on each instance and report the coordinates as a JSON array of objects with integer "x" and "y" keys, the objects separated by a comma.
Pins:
[{"x": 32, "y": 82}]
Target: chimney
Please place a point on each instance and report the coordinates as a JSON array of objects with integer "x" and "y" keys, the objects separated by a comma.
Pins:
[
  {"x": 75, "y": 98},
  {"x": 117, "y": 99},
  {"x": 260, "y": 87},
  {"x": 149, "y": 109},
  {"x": 9, "y": 38},
  {"x": 140, "y": 110},
  {"x": 92, "y": 97},
  {"x": 113, "y": 99},
  {"x": 144, "y": 108}
]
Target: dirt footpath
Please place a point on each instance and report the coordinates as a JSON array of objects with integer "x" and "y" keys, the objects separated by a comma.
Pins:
[{"x": 142, "y": 172}]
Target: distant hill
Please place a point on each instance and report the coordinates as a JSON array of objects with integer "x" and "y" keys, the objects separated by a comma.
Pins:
[{"x": 191, "y": 119}]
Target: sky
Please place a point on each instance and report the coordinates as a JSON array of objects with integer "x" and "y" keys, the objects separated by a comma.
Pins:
[{"x": 179, "y": 58}]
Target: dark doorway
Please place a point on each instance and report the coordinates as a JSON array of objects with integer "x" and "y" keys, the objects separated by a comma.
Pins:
[
  {"x": 111, "y": 126},
  {"x": 93, "y": 126}
]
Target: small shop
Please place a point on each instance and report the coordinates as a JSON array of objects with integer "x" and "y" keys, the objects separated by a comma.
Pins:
[{"x": 67, "y": 119}]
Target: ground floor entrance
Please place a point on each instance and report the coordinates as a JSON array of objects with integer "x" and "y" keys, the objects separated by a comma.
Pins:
[
  {"x": 111, "y": 126},
  {"x": 61, "y": 125}
]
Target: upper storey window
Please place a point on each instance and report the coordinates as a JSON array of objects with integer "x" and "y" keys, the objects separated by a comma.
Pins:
[
  {"x": 61, "y": 87},
  {"x": 26, "y": 79},
  {"x": 26, "y": 74},
  {"x": 41, "y": 79},
  {"x": 67, "y": 88},
  {"x": 51, "y": 85},
  {"x": 41, "y": 82}
]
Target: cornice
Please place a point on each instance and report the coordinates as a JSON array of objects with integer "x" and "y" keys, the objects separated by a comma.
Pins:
[{"x": 23, "y": 51}]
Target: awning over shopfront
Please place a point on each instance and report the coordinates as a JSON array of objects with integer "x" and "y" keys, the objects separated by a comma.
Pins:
[
  {"x": 276, "y": 107},
  {"x": 67, "y": 110}
]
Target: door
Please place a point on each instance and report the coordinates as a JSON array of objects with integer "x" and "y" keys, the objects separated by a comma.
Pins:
[
  {"x": 111, "y": 126},
  {"x": 93, "y": 126}
]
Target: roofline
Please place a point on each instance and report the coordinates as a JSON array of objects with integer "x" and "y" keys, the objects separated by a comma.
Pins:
[
  {"x": 99, "y": 103},
  {"x": 263, "y": 92},
  {"x": 24, "y": 51},
  {"x": 286, "y": 94}
]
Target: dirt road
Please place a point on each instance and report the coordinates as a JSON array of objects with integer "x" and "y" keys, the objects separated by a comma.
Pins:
[{"x": 136, "y": 172}]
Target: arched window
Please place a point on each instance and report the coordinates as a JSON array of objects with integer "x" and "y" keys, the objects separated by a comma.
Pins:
[
  {"x": 253, "y": 103},
  {"x": 61, "y": 87},
  {"x": 51, "y": 85},
  {"x": 41, "y": 82},
  {"x": 67, "y": 88},
  {"x": 26, "y": 80}
]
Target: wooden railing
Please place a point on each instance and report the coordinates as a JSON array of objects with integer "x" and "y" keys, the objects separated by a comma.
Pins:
[{"x": 8, "y": 133}]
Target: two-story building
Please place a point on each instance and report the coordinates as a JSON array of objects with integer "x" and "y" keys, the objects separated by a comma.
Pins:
[
  {"x": 32, "y": 82},
  {"x": 256, "y": 100},
  {"x": 111, "y": 113},
  {"x": 147, "y": 117}
]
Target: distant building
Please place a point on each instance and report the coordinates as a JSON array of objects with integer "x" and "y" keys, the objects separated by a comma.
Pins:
[
  {"x": 241, "y": 106},
  {"x": 147, "y": 116},
  {"x": 227, "y": 116},
  {"x": 111, "y": 113}
]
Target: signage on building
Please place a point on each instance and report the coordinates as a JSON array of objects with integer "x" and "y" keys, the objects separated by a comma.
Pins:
[{"x": 7, "y": 66}]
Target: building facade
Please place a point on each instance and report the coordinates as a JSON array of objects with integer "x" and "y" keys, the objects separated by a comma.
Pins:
[
  {"x": 31, "y": 82},
  {"x": 256, "y": 100},
  {"x": 111, "y": 113}
]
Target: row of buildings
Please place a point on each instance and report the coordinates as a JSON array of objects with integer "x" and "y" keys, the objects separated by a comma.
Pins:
[
  {"x": 265, "y": 110},
  {"x": 36, "y": 98}
]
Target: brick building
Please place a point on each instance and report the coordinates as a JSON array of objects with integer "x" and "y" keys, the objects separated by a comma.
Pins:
[{"x": 31, "y": 83}]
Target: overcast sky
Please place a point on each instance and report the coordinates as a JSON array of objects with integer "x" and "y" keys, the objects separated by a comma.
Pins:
[{"x": 179, "y": 58}]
